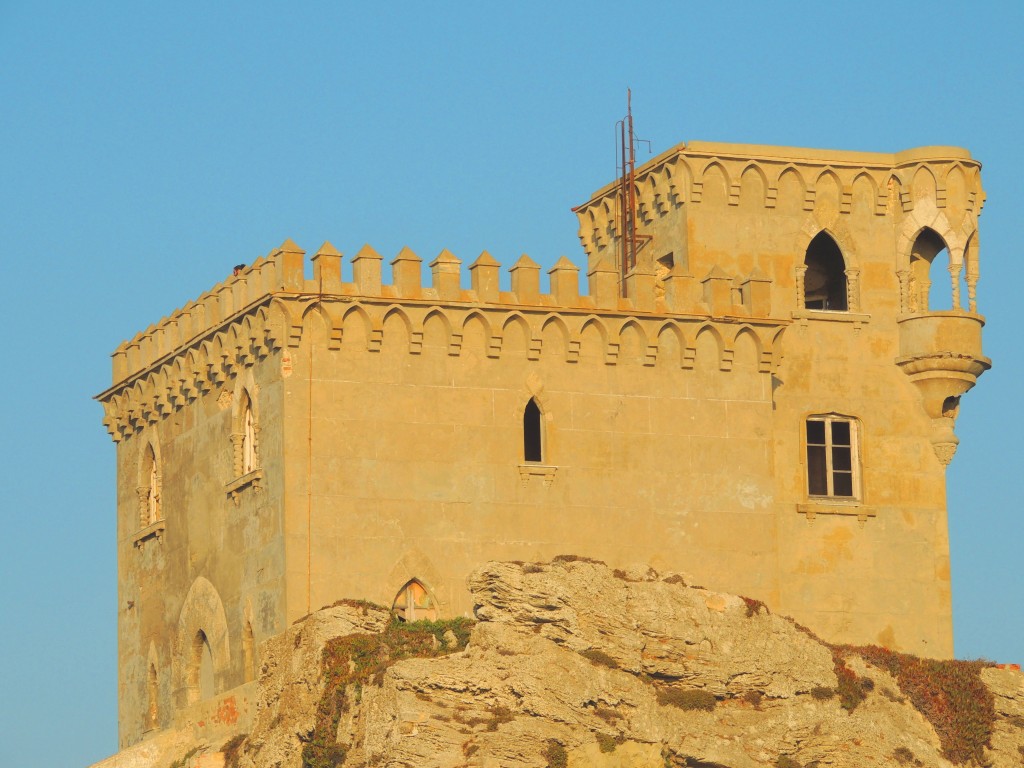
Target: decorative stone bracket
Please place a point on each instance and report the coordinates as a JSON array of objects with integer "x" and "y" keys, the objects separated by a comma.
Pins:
[
  {"x": 941, "y": 353},
  {"x": 544, "y": 471},
  {"x": 235, "y": 487}
]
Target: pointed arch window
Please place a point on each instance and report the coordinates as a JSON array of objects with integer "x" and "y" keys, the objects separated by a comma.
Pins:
[
  {"x": 414, "y": 603},
  {"x": 246, "y": 457},
  {"x": 929, "y": 288},
  {"x": 533, "y": 434},
  {"x": 245, "y": 446},
  {"x": 824, "y": 278},
  {"x": 149, "y": 489}
]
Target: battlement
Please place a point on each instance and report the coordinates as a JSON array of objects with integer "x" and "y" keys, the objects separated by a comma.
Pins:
[{"x": 282, "y": 274}]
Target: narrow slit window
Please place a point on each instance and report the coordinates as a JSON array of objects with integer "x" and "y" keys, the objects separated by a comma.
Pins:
[
  {"x": 532, "y": 437},
  {"x": 832, "y": 467}
]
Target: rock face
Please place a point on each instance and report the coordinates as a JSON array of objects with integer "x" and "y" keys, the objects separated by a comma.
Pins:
[{"x": 574, "y": 665}]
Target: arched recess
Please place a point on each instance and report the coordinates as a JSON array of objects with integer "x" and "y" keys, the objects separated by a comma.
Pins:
[
  {"x": 824, "y": 278},
  {"x": 152, "y": 720},
  {"x": 248, "y": 645},
  {"x": 753, "y": 187},
  {"x": 150, "y": 482},
  {"x": 202, "y": 648}
]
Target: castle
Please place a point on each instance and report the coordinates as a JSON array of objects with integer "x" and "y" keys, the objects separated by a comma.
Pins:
[{"x": 764, "y": 400}]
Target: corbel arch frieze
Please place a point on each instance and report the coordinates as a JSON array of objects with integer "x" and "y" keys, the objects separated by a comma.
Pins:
[
  {"x": 413, "y": 331},
  {"x": 533, "y": 340},
  {"x": 768, "y": 194},
  {"x": 648, "y": 351},
  {"x": 790, "y": 170},
  {"x": 356, "y": 312},
  {"x": 762, "y": 345},
  {"x": 202, "y": 610},
  {"x": 725, "y": 353},
  {"x": 328, "y": 314},
  {"x": 453, "y": 338},
  {"x": 687, "y": 349},
  {"x": 492, "y": 339},
  {"x": 697, "y": 188},
  {"x": 680, "y": 181},
  {"x": 286, "y": 317},
  {"x": 609, "y": 344},
  {"x": 843, "y": 189},
  {"x": 571, "y": 345}
]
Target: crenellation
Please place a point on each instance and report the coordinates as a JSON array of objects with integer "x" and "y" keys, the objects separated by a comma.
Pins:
[
  {"x": 526, "y": 280},
  {"x": 407, "y": 273}
]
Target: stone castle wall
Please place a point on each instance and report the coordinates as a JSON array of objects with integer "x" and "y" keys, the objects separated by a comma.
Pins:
[{"x": 389, "y": 417}]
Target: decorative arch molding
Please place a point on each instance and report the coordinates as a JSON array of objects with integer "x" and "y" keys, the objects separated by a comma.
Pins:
[{"x": 202, "y": 611}]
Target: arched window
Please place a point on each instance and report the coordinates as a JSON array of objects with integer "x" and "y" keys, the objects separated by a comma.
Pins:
[
  {"x": 149, "y": 490},
  {"x": 414, "y": 603},
  {"x": 200, "y": 671},
  {"x": 533, "y": 436},
  {"x": 248, "y": 442},
  {"x": 244, "y": 436},
  {"x": 930, "y": 288},
  {"x": 825, "y": 278}
]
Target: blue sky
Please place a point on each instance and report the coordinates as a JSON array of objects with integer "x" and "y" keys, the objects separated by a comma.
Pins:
[{"x": 148, "y": 148}]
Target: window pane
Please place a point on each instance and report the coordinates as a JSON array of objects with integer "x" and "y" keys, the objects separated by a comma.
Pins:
[
  {"x": 842, "y": 484},
  {"x": 840, "y": 433},
  {"x": 841, "y": 459},
  {"x": 816, "y": 432},
  {"x": 816, "y": 472}
]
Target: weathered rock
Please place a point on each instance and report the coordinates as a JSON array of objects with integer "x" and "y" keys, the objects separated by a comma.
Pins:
[{"x": 572, "y": 664}]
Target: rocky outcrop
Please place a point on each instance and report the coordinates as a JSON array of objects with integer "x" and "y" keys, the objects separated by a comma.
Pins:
[{"x": 573, "y": 664}]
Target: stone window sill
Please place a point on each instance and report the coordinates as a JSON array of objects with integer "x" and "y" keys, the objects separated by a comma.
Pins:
[
  {"x": 545, "y": 472},
  {"x": 832, "y": 316},
  {"x": 236, "y": 486},
  {"x": 151, "y": 531},
  {"x": 829, "y": 506}
]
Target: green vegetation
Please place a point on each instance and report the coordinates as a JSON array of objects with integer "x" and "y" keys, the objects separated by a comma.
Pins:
[
  {"x": 949, "y": 693},
  {"x": 182, "y": 762},
  {"x": 607, "y": 743},
  {"x": 692, "y": 699},
  {"x": 555, "y": 754},
  {"x": 599, "y": 657},
  {"x": 232, "y": 750},
  {"x": 754, "y": 606},
  {"x": 356, "y": 660}
]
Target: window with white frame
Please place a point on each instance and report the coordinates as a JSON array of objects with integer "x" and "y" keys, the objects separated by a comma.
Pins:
[{"x": 833, "y": 463}]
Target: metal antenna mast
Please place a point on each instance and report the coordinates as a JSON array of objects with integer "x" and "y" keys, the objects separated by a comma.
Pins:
[{"x": 630, "y": 240}]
